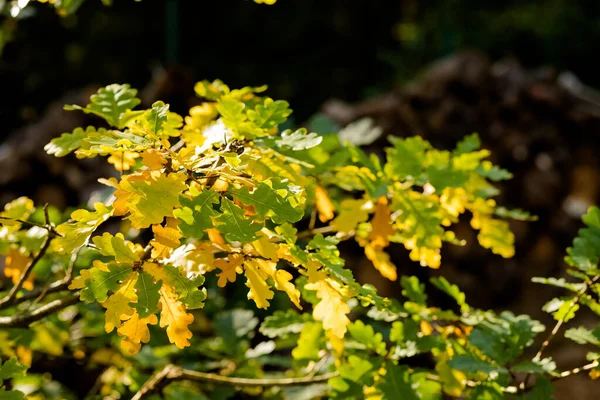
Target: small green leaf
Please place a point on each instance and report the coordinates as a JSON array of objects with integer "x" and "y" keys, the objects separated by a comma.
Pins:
[
  {"x": 11, "y": 369},
  {"x": 452, "y": 291},
  {"x": 234, "y": 225},
  {"x": 102, "y": 282},
  {"x": 110, "y": 103},
  {"x": 282, "y": 323},
  {"x": 470, "y": 364},
  {"x": 405, "y": 160},
  {"x": 68, "y": 142},
  {"x": 396, "y": 384},
  {"x": 270, "y": 113},
  {"x": 365, "y": 337},
  {"x": 158, "y": 116},
  {"x": 298, "y": 140},
  {"x": 582, "y": 335},
  {"x": 468, "y": 144},
  {"x": 187, "y": 287},
  {"x": 517, "y": 214},
  {"x": 585, "y": 252},
  {"x": 269, "y": 201},
  {"x": 147, "y": 294},
  {"x": 122, "y": 250},
  {"x": 413, "y": 289},
  {"x": 544, "y": 366},
  {"x": 311, "y": 341},
  {"x": 196, "y": 214}
]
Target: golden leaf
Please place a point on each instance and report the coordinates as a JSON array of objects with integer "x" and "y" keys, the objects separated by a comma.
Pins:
[
  {"x": 153, "y": 159},
  {"x": 135, "y": 330},
  {"x": 323, "y": 204},
  {"x": 123, "y": 160},
  {"x": 16, "y": 263},
  {"x": 332, "y": 309},
  {"x": 174, "y": 317},
  {"x": 165, "y": 238},
  {"x": 256, "y": 278},
  {"x": 229, "y": 268},
  {"x": 117, "y": 305}
]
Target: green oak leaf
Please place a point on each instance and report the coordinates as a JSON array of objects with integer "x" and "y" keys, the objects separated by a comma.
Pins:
[
  {"x": 68, "y": 142},
  {"x": 298, "y": 140},
  {"x": 396, "y": 384},
  {"x": 268, "y": 201},
  {"x": 451, "y": 290},
  {"x": 147, "y": 294},
  {"x": 196, "y": 214},
  {"x": 270, "y": 113},
  {"x": 234, "y": 225},
  {"x": 282, "y": 323},
  {"x": 111, "y": 103},
  {"x": 187, "y": 287},
  {"x": 122, "y": 250},
  {"x": 97, "y": 288}
]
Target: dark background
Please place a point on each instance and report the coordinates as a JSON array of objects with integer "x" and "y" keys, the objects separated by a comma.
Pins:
[{"x": 441, "y": 69}]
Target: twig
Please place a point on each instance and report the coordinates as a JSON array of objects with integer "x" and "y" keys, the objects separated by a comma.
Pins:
[
  {"x": 22, "y": 321},
  {"x": 577, "y": 370},
  {"x": 173, "y": 373},
  {"x": 574, "y": 301},
  {"x": 313, "y": 219},
  {"x": 26, "y": 223}
]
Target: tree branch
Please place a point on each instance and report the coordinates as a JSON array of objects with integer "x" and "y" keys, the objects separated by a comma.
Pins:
[
  {"x": 22, "y": 321},
  {"x": 173, "y": 373}
]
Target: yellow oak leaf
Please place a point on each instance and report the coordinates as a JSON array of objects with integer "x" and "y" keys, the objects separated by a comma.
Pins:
[
  {"x": 453, "y": 201},
  {"x": 280, "y": 277},
  {"x": 194, "y": 257},
  {"x": 377, "y": 240},
  {"x": 20, "y": 208},
  {"x": 452, "y": 380},
  {"x": 165, "y": 238},
  {"x": 381, "y": 224},
  {"x": 323, "y": 204},
  {"x": 265, "y": 247},
  {"x": 117, "y": 305},
  {"x": 123, "y": 160},
  {"x": 332, "y": 309},
  {"x": 256, "y": 279},
  {"x": 136, "y": 331},
  {"x": 494, "y": 234},
  {"x": 229, "y": 267},
  {"x": 16, "y": 263},
  {"x": 174, "y": 317},
  {"x": 199, "y": 117},
  {"x": 381, "y": 261},
  {"x": 24, "y": 354},
  {"x": 215, "y": 236},
  {"x": 352, "y": 212},
  {"x": 77, "y": 231},
  {"x": 153, "y": 159},
  {"x": 149, "y": 196},
  {"x": 282, "y": 282}
]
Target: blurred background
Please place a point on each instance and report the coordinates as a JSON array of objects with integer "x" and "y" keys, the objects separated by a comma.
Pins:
[{"x": 519, "y": 72}]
